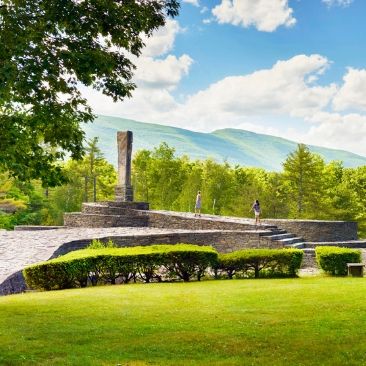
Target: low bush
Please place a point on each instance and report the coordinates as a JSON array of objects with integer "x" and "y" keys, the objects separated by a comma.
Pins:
[
  {"x": 98, "y": 244},
  {"x": 261, "y": 262},
  {"x": 333, "y": 260},
  {"x": 109, "y": 265}
]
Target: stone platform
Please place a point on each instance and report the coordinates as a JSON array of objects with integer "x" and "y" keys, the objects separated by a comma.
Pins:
[
  {"x": 132, "y": 223},
  {"x": 21, "y": 248}
]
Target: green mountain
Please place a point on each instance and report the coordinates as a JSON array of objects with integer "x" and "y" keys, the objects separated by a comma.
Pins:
[{"x": 235, "y": 146}]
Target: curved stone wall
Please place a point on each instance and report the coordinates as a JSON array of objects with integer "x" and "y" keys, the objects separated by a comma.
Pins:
[{"x": 318, "y": 230}]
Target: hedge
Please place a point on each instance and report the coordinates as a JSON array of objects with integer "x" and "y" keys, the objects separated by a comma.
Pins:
[
  {"x": 261, "y": 262},
  {"x": 333, "y": 260},
  {"x": 107, "y": 265}
]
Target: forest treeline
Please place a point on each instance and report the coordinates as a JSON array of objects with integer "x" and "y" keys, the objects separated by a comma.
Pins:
[{"x": 307, "y": 187}]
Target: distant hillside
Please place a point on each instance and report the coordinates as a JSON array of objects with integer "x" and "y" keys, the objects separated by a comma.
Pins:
[{"x": 235, "y": 146}]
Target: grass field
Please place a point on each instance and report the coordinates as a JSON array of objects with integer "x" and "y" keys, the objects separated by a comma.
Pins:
[{"x": 306, "y": 321}]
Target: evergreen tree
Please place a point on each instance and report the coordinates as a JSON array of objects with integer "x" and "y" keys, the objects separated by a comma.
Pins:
[{"x": 303, "y": 181}]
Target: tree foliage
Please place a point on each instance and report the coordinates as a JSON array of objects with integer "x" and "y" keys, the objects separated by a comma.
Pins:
[
  {"x": 306, "y": 188},
  {"x": 303, "y": 174},
  {"x": 171, "y": 183},
  {"x": 50, "y": 47}
]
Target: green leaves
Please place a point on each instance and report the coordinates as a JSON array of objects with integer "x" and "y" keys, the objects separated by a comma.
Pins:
[
  {"x": 47, "y": 49},
  {"x": 333, "y": 260},
  {"x": 303, "y": 178},
  {"x": 254, "y": 262},
  {"x": 106, "y": 265}
]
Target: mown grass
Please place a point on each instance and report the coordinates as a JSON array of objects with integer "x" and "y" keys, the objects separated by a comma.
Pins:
[{"x": 306, "y": 321}]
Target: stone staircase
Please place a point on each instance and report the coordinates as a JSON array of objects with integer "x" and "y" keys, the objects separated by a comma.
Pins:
[
  {"x": 109, "y": 214},
  {"x": 283, "y": 238},
  {"x": 137, "y": 214}
]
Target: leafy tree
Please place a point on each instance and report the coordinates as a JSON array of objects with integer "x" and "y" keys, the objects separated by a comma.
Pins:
[
  {"x": 303, "y": 180},
  {"x": 140, "y": 175},
  {"x": 48, "y": 48},
  {"x": 217, "y": 186},
  {"x": 166, "y": 175},
  {"x": 193, "y": 173},
  {"x": 274, "y": 196}
]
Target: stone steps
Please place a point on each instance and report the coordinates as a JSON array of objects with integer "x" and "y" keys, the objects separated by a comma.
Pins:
[
  {"x": 284, "y": 238},
  {"x": 274, "y": 231},
  {"x": 290, "y": 241},
  {"x": 110, "y": 210}
]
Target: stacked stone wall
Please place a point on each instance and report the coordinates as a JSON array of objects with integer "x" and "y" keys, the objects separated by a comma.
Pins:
[
  {"x": 318, "y": 231},
  {"x": 99, "y": 221}
]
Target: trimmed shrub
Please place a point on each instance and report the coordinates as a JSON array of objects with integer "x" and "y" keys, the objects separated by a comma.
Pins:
[
  {"x": 261, "y": 262},
  {"x": 333, "y": 260},
  {"x": 107, "y": 265}
]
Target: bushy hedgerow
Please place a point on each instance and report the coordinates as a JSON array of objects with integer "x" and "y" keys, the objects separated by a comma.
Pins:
[
  {"x": 333, "y": 260},
  {"x": 107, "y": 265},
  {"x": 261, "y": 262}
]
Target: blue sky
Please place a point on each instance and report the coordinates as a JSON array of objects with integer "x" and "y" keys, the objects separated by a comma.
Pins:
[
  {"x": 291, "y": 68},
  {"x": 337, "y": 32}
]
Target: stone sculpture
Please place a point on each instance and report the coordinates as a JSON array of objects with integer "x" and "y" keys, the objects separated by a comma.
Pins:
[{"x": 124, "y": 189}]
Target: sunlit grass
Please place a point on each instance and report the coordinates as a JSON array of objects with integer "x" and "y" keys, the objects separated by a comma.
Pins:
[{"x": 306, "y": 321}]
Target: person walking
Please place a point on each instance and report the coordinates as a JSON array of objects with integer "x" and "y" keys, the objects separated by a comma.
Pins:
[
  {"x": 197, "y": 207},
  {"x": 257, "y": 212}
]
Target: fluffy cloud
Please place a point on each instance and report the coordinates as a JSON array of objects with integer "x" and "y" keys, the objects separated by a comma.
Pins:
[
  {"x": 162, "y": 40},
  {"x": 352, "y": 94},
  {"x": 347, "y": 132},
  {"x": 161, "y": 73},
  {"x": 287, "y": 89},
  {"x": 153, "y": 71},
  {"x": 265, "y": 15},
  {"x": 156, "y": 76},
  {"x": 337, "y": 2},
  {"x": 282, "y": 90},
  {"x": 193, "y": 2},
  {"x": 270, "y": 101}
]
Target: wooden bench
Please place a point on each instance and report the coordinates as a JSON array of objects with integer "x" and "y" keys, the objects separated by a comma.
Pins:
[{"x": 355, "y": 269}]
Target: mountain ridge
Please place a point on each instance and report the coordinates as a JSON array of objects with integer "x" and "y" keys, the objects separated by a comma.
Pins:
[{"x": 228, "y": 144}]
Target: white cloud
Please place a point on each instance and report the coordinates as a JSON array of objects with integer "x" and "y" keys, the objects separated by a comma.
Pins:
[
  {"x": 260, "y": 101},
  {"x": 153, "y": 71},
  {"x": 193, "y": 2},
  {"x": 265, "y": 15},
  {"x": 334, "y": 130},
  {"x": 281, "y": 90},
  {"x": 207, "y": 21},
  {"x": 352, "y": 94},
  {"x": 162, "y": 40},
  {"x": 204, "y": 9},
  {"x": 343, "y": 3},
  {"x": 161, "y": 73}
]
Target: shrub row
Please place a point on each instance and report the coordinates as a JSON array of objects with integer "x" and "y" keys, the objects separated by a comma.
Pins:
[
  {"x": 333, "y": 260},
  {"x": 261, "y": 262},
  {"x": 157, "y": 263},
  {"x": 107, "y": 265}
]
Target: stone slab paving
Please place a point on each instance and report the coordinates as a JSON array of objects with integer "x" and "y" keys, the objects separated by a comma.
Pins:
[
  {"x": 21, "y": 248},
  {"x": 241, "y": 220}
]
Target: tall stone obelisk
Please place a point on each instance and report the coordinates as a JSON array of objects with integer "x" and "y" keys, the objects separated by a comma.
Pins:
[{"x": 124, "y": 190}]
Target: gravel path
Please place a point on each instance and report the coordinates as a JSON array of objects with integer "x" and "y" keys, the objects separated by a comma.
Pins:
[{"x": 21, "y": 248}]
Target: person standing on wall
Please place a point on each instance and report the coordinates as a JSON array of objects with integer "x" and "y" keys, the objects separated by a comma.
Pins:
[
  {"x": 197, "y": 207},
  {"x": 257, "y": 212}
]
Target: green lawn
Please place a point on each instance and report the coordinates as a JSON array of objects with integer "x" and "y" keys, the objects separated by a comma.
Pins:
[{"x": 306, "y": 321}]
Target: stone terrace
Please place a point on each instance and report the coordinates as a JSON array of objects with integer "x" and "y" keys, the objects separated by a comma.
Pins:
[{"x": 21, "y": 248}]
